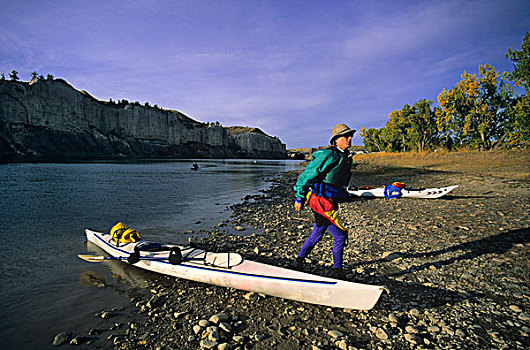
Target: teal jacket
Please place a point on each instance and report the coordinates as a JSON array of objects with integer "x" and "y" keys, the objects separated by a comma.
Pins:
[{"x": 328, "y": 166}]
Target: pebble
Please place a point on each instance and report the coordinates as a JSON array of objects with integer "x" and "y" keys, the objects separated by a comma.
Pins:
[
  {"x": 251, "y": 296},
  {"x": 524, "y": 316},
  {"x": 515, "y": 308},
  {"x": 208, "y": 344},
  {"x": 411, "y": 330},
  {"x": 381, "y": 334},
  {"x": 335, "y": 334},
  {"x": 414, "y": 312},
  {"x": 61, "y": 338},
  {"x": 412, "y": 338},
  {"x": 392, "y": 318},
  {"x": 219, "y": 318},
  {"x": 225, "y": 327}
]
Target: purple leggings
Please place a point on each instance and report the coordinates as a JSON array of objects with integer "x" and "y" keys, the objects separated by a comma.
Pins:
[{"x": 339, "y": 239}]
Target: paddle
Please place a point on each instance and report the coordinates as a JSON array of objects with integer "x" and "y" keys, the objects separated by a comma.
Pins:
[{"x": 100, "y": 258}]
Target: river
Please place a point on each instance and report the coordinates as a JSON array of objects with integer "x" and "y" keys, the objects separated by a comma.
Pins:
[{"x": 46, "y": 207}]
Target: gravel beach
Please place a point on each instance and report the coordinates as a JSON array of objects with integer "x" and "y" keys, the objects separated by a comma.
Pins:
[{"x": 457, "y": 269}]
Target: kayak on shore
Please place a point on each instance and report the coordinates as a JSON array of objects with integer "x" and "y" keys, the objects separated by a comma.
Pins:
[
  {"x": 422, "y": 193},
  {"x": 232, "y": 270}
]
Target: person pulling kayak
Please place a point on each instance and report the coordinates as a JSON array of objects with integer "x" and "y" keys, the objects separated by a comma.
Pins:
[{"x": 321, "y": 186}]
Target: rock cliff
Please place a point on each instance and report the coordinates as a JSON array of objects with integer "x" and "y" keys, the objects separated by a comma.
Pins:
[{"x": 50, "y": 120}]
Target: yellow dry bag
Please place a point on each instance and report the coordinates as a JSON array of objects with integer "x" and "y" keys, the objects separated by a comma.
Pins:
[
  {"x": 130, "y": 235},
  {"x": 117, "y": 231}
]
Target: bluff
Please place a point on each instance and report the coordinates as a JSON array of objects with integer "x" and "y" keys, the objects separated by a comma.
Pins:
[{"x": 50, "y": 120}]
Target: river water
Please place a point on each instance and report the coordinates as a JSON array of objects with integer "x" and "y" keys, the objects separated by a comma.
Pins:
[{"x": 45, "y": 208}]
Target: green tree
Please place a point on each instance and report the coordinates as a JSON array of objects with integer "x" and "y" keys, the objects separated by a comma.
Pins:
[
  {"x": 49, "y": 76},
  {"x": 14, "y": 75},
  {"x": 521, "y": 64},
  {"x": 519, "y": 110},
  {"x": 422, "y": 133},
  {"x": 34, "y": 75},
  {"x": 2, "y": 77}
]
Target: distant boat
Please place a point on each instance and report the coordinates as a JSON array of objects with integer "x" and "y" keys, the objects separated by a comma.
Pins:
[
  {"x": 255, "y": 161},
  {"x": 195, "y": 166}
]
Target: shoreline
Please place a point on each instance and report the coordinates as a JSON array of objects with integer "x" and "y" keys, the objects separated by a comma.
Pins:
[{"x": 456, "y": 268}]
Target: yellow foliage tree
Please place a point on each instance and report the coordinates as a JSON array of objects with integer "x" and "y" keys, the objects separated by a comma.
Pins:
[{"x": 471, "y": 112}]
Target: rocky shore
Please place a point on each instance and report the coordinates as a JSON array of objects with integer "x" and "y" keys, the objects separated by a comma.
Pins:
[{"x": 457, "y": 269}]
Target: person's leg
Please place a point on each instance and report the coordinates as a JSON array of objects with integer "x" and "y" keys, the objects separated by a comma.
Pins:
[
  {"x": 339, "y": 240},
  {"x": 312, "y": 240}
]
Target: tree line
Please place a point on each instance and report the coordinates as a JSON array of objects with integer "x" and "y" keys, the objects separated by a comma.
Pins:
[{"x": 481, "y": 112}]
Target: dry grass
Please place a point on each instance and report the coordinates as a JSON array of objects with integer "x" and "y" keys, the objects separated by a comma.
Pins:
[{"x": 512, "y": 164}]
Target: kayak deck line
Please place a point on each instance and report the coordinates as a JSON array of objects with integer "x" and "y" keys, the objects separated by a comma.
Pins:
[
  {"x": 246, "y": 275},
  {"x": 215, "y": 268}
]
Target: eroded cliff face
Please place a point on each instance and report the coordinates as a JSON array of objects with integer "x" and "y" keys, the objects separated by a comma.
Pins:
[{"x": 49, "y": 119}]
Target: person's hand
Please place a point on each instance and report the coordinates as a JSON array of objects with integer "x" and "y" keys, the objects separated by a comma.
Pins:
[{"x": 297, "y": 206}]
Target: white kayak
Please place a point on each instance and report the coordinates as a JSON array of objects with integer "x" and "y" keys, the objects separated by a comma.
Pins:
[
  {"x": 425, "y": 193},
  {"x": 232, "y": 270}
]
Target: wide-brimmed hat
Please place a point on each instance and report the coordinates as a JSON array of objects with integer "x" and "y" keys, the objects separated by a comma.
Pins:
[{"x": 341, "y": 130}]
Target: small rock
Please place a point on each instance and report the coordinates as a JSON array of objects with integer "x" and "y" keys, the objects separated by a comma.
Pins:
[
  {"x": 414, "y": 312},
  {"x": 343, "y": 345},
  {"x": 411, "y": 338},
  {"x": 515, "y": 308},
  {"x": 251, "y": 296},
  {"x": 213, "y": 335},
  {"x": 224, "y": 346},
  {"x": 238, "y": 338},
  {"x": 411, "y": 330},
  {"x": 239, "y": 228},
  {"x": 219, "y": 318},
  {"x": 180, "y": 314},
  {"x": 381, "y": 334},
  {"x": 105, "y": 315},
  {"x": 524, "y": 317},
  {"x": 392, "y": 318},
  {"x": 335, "y": 334},
  {"x": 61, "y": 338},
  {"x": 208, "y": 344},
  {"x": 197, "y": 329},
  {"x": 225, "y": 327},
  {"x": 433, "y": 329},
  {"x": 77, "y": 341},
  {"x": 204, "y": 323},
  {"x": 153, "y": 302}
]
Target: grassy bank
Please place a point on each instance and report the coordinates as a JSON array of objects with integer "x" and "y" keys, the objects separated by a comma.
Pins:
[{"x": 514, "y": 164}]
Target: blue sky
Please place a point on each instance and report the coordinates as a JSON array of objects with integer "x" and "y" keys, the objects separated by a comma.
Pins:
[{"x": 292, "y": 68}]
